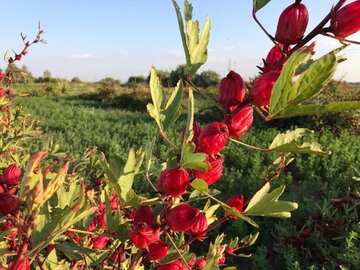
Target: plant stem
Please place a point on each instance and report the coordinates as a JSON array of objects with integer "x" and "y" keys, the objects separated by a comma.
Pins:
[
  {"x": 343, "y": 40},
  {"x": 177, "y": 249},
  {"x": 90, "y": 233},
  {"x": 163, "y": 134},
  {"x": 263, "y": 28},
  {"x": 147, "y": 176},
  {"x": 135, "y": 261},
  {"x": 250, "y": 146}
]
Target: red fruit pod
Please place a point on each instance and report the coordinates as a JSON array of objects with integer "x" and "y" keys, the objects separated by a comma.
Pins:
[
  {"x": 213, "y": 138},
  {"x": 201, "y": 263},
  {"x": 157, "y": 250},
  {"x": 240, "y": 123},
  {"x": 292, "y": 24},
  {"x": 173, "y": 182},
  {"x": 236, "y": 202},
  {"x": 215, "y": 171},
  {"x": 232, "y": 89},
  {"x": 11, "y": 176},
  {"x": 272, "y": 58},
  {"x": 260, "y": 92},
  {"x": 144, "y": 214},
  {"x": 100, "y": 242},
  {"x": 346, "y": 21},
  {"x": 182, "y": 217},
  {"x": 8, "y": 203},
  {"x": 175, "y": 265},
  {"x": 22, "y": 264},
  {"x": 200, "y": 224},
  {"x": 142, "y": 235}
]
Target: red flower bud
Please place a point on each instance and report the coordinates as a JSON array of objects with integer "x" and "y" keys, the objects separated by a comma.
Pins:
[
  {"x": 214, "y": 173},
  {"x": 292, "y": 24},
  {"x": 173, "y": 182},
  {"x": 232, "y": 89},
  {"x": 222, "y": 259},
  {"x": 142, "y": 235},
  {"x": 144, "y": 214},
  {"x": 157, "y": 250},
  {"x": 260, "y": 92},
  {"x": 114, "y": 203},
  {"x": 272, "y": 58},
  {"x": 240, "y": 122},
  {"x": 200, "y": 224},
  {"x": 213, "y": 138},
  {"x": 18, "y": 57},
  {"x": 236, "y": 202},
  {"x": 197, "y": 131},
  {"x": 229, "y": 250},
  {"x": 201, "y": 263},
  {"x": 346, "y": 21},
  {"x": 50, "y": 247},
  {"x": 182, "y": 217},
  {"x": 8, "y": 203},
  {"x": 11, "y": 175},
  {"x": 100, "y": 242},
  {"x": 22, "y": 264},
  {"x": 175, "y": 265}
]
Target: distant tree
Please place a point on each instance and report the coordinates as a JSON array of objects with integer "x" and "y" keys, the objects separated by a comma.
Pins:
[
  {"x": 76, "y": 80},
  {"x": 176, "y": 74},
  {"x": 207, "y": 78},
  {"x": 136, "y": 79},
  {"x": 25, "y": 69},
  {"x": 110, "y": 81}
]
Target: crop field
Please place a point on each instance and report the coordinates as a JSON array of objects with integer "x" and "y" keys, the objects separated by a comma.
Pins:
[{"x": 76, "y": 123}]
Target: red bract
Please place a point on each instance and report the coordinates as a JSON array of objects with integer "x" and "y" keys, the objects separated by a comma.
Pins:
[
  {"x": 22, "y": 264},
  {"x": 272, "y": 58},
  {"x": 346, "y": 21},
  {"x": 236, "y": 202},
  {"x": 142, "y": 235},
  {"x": 175, "y": 265},
  {"x": 200, "y": 224},
  {"x": 11, "y": 175},
  {"x": 240, "y": 122},
  {"x": 100, "y": 242},
  {"x": 144, "y": 214},
  {"x": 173, "y": 182},
  {"x": 213, "y": 138},
  {"x": 197, "y": 131},
  {"x": 8, "y": 203},
  {"x": 232, "y": 89},
  {"x": 214, "y": 173},
  {"x": 157, "y": 250},
  {"x": 260, "y": 92},
  {"x": 182, "y": 217},
  {"x": 292, "y": 24}
]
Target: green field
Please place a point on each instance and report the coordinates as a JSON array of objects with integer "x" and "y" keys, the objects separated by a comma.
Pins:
[{"x": 77, "y": 123}]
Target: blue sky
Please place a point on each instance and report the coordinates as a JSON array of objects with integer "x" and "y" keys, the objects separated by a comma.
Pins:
[{"x": 119, "y": 38}]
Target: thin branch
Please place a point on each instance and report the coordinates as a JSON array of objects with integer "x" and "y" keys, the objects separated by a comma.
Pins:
[
  {"x": 250, "y": 146},
  {"x": 177, "y": 249},
  {"x": 342, "y": 40},
  {"x": 263, "y": 28}
]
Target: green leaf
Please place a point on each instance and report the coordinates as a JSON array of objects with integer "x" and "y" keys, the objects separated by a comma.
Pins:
[
  {"x": 312, "y": 109},
  {"x": 287, "y": 95},
  {"x": 287, "y": 143},
  {"x": 194, "y": 43},
  {"x": 165, "y": 114},
  {"x": 194, "y": 161},
  {"x": 199, "y": 184},
  {"x": 259, "y": 4},
  {"x": 267, "y": 204}
]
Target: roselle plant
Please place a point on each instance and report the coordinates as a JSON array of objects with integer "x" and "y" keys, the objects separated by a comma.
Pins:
[{"x": 61, "y": 212}]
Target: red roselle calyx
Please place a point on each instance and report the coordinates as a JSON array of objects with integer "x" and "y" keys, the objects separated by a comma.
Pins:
[
  {"x": 236, "y": 202},
  {"x": 292, "y": 24},
  {"x": 8, "y": 203},
  {"x": 346, "y": 21},
  {"x": 214, "y": 173},
  {"x": 173, "y": 182},
  {"x": 232, "y": 89},
  {"x": 240, "y": 123},
  {"x": 145, "y": 214},
  {"x": 12, "y": 175},
  {"x": 100, "y": 242},
  {"x": 182, "y": 217},
  {"x": 157, "y": 250},
  {"x": 213, "y": 138},
  {"x": 273, "y": 58},
  {"x": 142, "y": 235},
  {"x": 200, "y": 224},
  {"x": 260, "y": 92},
  {"x": 22, "y": 264}
]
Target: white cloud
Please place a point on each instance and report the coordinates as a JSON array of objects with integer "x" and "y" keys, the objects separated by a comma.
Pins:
[{"x": 81, "y": 56}]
